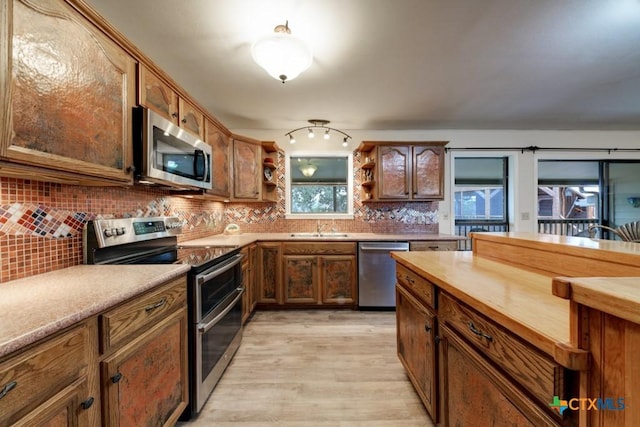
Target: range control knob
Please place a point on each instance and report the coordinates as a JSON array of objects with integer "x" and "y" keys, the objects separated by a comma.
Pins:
[
  {"x": 107, "y": 232},
  {"x": 120, "y": 231}
]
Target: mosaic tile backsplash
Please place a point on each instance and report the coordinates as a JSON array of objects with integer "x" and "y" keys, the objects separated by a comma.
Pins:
[{"x": 41, "y": 223}]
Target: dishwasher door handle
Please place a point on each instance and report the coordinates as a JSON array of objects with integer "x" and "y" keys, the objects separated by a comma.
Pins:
[{"x": 383, "y": 248}]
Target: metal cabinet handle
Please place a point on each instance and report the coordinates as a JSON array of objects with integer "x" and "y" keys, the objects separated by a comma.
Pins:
[
  {"x": 116, "y": 378},
  {"x": 87, "y": 403},
  {"x": 409, "y": 279},
  {"x": 437, "y": 339},
  {"x": 427, "y": 328},
  {"x": 156, "y": 305},
  {"x": 478, "y": 332},
  {"x": 7, "y": 388}
]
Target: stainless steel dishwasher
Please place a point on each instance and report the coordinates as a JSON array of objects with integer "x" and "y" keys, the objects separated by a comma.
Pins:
[{"x": 377, "y": 274}]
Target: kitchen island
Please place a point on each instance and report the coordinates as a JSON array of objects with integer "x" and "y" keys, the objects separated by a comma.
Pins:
[{"x": 485, "y": 339}]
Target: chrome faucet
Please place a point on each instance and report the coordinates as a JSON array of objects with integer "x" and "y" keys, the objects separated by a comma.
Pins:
[{"x": 320, "y": 226}]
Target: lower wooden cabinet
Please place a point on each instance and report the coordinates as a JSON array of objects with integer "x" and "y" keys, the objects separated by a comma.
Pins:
[
  {"x": 416, "y": 332},
  {"x": 145, "y": 382},
  {"x": 476, "y": 393},
  {"x": 433, "y": 245},
  {"x": 319, "y": 273},
  {"x": 268, "y": 273},
  {"x": 124, "y": 367},
  {"x": 48, "y": 384}
]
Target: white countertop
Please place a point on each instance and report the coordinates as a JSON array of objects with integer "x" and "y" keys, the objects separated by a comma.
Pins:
[{"x": 35, "y": 307}]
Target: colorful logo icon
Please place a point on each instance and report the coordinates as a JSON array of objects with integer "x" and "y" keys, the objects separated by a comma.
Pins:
[{"x": 559, "y": 405}]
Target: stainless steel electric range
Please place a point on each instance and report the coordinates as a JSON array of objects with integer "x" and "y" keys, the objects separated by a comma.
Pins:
[{"x": 214, "y": 289}]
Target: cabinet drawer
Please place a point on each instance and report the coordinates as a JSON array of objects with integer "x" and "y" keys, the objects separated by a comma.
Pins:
[
  {"x": 31, "y": 378},
  {"x": 120, "y": 323},
  {"x": 308, "y": 248},
  {"x": 420, "y": 287},
  {"x": 529, "y": 367},
  {"x": 435, "y": 245}
]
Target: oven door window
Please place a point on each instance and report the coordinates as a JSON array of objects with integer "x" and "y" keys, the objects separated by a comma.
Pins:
[{"x": 218, "y": 284}]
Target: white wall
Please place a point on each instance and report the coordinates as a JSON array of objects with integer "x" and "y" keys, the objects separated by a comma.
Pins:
[{"x": 523, "y": 172}]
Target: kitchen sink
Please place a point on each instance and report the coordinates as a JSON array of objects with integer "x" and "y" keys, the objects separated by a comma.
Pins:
[{"x": 319, "y": 235}]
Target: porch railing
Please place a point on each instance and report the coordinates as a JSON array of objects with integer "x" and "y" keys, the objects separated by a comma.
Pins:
[
  {"x": 566, "y": 227},
  {"x": 464, "y": 227}
]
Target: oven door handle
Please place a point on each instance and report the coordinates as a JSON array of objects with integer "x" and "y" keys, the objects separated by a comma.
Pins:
[
  {"x": 200, "y": 279},
  {"x": 205, "y": 328}
]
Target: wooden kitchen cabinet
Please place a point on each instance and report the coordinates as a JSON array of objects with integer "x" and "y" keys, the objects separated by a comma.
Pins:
[
  {"x": 144, "y": 377},
  {"x": 248, "y": 281},
  {"x": 49, "y": 383},
  {"x": 247, "y": 169},
  {"x": 319, "y": 273},
  {"x": 433, "y": 245},
  {"x": 156, "y": 94},
  {"x": 269, "y": 273},
  {"x": 67, "y": 116},
  {"x": 417, "y": 348},
  {"x": 402, "y": 171},
  {"x": 220, "y": 144},
  {"x": 475, "y": 391},
  {"x": 416, "y": 336}
]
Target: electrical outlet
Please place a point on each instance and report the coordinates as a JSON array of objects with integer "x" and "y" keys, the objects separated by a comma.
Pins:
[{"x": 524, "y": 216}]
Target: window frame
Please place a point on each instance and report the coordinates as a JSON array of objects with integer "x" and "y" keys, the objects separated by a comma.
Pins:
[{"x": 328, "y": 215}]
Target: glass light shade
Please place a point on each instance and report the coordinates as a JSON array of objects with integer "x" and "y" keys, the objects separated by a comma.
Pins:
[
  {"x": 308, "y": 170},
  {"x": 282, "y": 55}
]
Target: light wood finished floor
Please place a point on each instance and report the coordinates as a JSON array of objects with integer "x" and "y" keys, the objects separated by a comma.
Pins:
[{"x": 315, "y": 368}]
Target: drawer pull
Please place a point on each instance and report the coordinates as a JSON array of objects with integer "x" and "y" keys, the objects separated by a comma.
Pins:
[
  {"x": 434, "y": 248},
  {"x": 7, "y": 388},
  {"x": 409, "y": 279},
  {"x": 437, "y": 339},
  {"x": 427, "y": 328},
  {"x": 87, "y": 403},
  {"x": 479, "y": 333},
  {"x": 156, "y": 305},
  {"x": 116, "y": 378}
]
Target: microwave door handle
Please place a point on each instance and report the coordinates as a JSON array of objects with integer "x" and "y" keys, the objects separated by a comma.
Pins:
[{"x": 197, "y": 155}]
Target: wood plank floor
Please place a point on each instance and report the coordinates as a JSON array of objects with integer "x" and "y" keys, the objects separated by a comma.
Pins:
[{"x": 315, "y": 368}]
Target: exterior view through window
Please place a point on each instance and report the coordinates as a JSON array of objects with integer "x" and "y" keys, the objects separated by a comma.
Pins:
[
  {"x": 319, "y": 185},
  {"x": 480, "y": 201}
]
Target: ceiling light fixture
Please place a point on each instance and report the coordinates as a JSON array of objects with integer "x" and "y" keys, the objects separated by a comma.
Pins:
[
  {"x": 282, "y": 55},
  {"x": 308, "y": 170},
  {"x": 319, "y": 124}
]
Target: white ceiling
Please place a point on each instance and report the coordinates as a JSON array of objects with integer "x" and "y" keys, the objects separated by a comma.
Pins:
[{"x": 402, "y": 64}]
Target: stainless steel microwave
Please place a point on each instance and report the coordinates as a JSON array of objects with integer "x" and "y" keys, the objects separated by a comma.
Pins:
[{"x": 164, "y": 153}]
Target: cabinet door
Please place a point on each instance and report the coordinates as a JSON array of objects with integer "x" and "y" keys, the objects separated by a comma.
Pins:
[
  {"x": 394, "y": 173},
  {"x": 428, "y": 176},
  {"x": 221, "y": 153},
  {"x": 246, "y": 297},
  {"x": 338, "y": 279},
  {"x": 69, "y": 408},
  {"x": 68, "y": 112},
  {"x": 191, "y": 118},
  {"x": 416, "y": 326},
  {"x": 300, "y": 279},
  {"x": 156, "y": 95},
  {"x": 247, "y": 174},
  {"x": 269, "y": 273},
  {"x": 475, "y": 393},
  {"x": 145, "y": 382}
]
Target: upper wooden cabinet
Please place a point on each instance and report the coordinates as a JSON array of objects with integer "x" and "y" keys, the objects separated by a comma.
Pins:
[
  {"x": 221, "y": 150},
  {"x": 64, "y": 112},
  {"x": 156, "y": 94},
  {"x": 247, "y": 169},
  {"x": 402, "y": 171}
]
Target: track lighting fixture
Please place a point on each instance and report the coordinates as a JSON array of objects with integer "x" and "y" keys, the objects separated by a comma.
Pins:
[{"x": 319, "y": 124}]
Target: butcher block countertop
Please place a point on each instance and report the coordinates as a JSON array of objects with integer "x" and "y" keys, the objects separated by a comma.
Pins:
[
  {"x": 248, "y": 238},
  {"x": 35, "y": 307},
  {"x": 519, "y": 300}
]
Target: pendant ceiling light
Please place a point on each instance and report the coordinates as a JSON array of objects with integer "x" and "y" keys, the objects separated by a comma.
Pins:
[
  {"x": 308, "y": 170},
  {"x": 319, "y": 124},
  {"x": 282, "y": 55}
]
